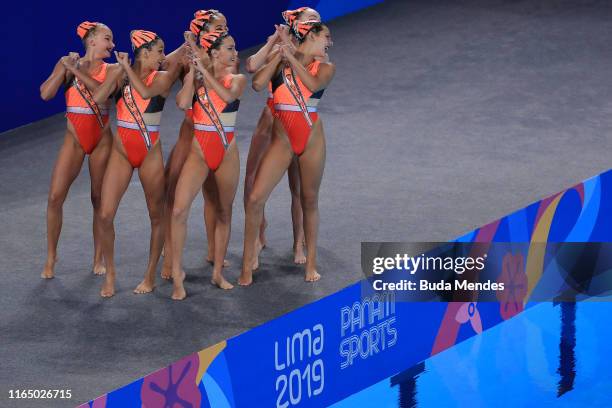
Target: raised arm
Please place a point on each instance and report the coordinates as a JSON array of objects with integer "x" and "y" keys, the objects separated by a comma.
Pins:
[
  {"x": 184, "y": 97},
  {"x": 264, "y": 75},
  {"x": 90, "y": 83},
  {"x": 160, "y": 86},
  {"x": 257, "y": 60},
  {"x": 313, "y": 82},
  {"x": 228, "y": 95},
  {"x": 174, "y": 58},
  {"x": 49, "y": 88},
  {"x": 110, "y": 84}
]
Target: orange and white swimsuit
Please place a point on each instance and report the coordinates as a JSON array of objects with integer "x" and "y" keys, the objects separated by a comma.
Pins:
[
  {"x": 87, "y": 117},
  {"x": 138, "y": 121},
  {"x": 213, "y": 123},
  {"x": 270, "y": 101},
  {"x": 295, "y": 105}
]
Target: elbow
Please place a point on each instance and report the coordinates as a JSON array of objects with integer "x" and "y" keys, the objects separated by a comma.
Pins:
[
  {"x": 249, "y": 66},
  {"x": 256, "y": 85},
  {"x": 44, "y": 94},
  {"x": 229, "y": 100},
  {"x": 182, "y": 105}
]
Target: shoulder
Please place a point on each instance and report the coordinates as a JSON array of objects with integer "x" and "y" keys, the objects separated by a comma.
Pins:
[
  {"x": 328, "y": 67},
  {"x": 112, "y": 67},
  {"x": 164, "y": 77},
  {"x": 236, "y": 79}
]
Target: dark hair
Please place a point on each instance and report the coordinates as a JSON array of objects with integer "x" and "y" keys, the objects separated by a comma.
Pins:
[
  {"x": 214, "y": 15},
  {"x": 146, "y": 46},
  {"x": 315, "y": 27},
  {"x": 216, "y": 43}
]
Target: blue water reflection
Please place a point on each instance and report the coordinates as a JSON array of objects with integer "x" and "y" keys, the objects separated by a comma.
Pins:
[{"x": 550, "y": 355}]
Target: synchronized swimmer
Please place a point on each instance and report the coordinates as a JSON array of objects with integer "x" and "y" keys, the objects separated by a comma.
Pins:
[{"x": 293, "y": 65}]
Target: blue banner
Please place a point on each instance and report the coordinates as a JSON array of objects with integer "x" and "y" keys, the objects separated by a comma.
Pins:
[{"x": 327, "y": 350}]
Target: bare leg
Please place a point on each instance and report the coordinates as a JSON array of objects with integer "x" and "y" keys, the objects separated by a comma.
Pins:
[
  {"x": 259, "y": 144},
  {"x": 312, "y": 163},
  {"x": 66, "y": 169},
  {"x": 227, "y": 176},
  {"x": 192, "y": 176},
  {"x": 297, "y": 216},
  {"x": 211, "y": 205},
  {"x": 177, "y": 158},
  {"x": 273, "y": 165},
  {"x": 151, "y": 174},
  {"x": 116, "y": 181},
  {"x": 97, "y": 166}
]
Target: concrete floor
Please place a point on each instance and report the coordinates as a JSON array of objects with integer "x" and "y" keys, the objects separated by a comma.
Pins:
[{"x": 443, "y": 116}]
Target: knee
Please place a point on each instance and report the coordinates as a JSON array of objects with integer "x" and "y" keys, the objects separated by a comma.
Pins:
[
  {"x": 255, "y": 202},
  {"x": 224, "y": 215},
  {"x": 310, "y": 200},
  {"x": 107, "y": 217},
  {"x": 55, "y": 200},
  {"x": 179, "y": 214}
]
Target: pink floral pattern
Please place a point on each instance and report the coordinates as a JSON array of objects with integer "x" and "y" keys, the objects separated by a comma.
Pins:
[
  {"x": 174, "y": 386},
  {"x": 511, "y": 299},
  {"x": 469, "y": 312}
]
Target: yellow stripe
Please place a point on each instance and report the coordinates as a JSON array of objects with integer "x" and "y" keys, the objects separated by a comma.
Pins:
[
  {"x": 537, "y": 247},
  {"x": 207, "y": 356}
]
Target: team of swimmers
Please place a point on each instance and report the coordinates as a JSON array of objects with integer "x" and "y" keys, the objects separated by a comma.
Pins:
[{"x": 292, "y": 65}]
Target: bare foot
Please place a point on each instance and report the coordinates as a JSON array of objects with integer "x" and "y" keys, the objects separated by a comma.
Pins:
[
  {"x": 299, "y": 257},
  {"x": 178, "y": 292},
  {"x": 108, "y": 287},
  {"x": 166, "y": 271},
  {"x": 144, "y": 287},
  {"x": 99, "y": 269},
  {"x": 245, "y": 279},
  {"x": 210, "y": 260},
  {"x": 48, "y": 272},
  {"x": 220, "y": 282},
  {"x": 312, "y": 276}
]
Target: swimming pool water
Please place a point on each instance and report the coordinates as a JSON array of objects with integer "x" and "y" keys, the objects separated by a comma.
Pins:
[{"x": 549, "y": 355}]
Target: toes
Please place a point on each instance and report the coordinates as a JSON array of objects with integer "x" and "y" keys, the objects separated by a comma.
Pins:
[
  {"x": 99, "y": 270},
  {"x": 179, "y": 296},
  {"x": 222, "y": 284},
  {"x": 142, "y": 290},
  {"x": 312, "y": 277}
]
